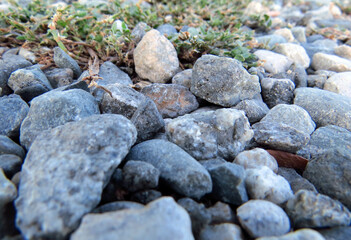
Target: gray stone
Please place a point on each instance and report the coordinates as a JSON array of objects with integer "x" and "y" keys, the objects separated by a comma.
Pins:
[
  {"x": 262, "y": 218},
  {"x": 323, "y": 61},
  {"x": 172, "y": 100},
  {"x": 141, "y": 110},
  {"x": 309, "y": 209},
  {"x": 279, "y": 136},
  {"x": 302, "y": 234},
  {"x": 138, "y": 175},
  {"x": 335, "y": 233},
  {"x": 59, "y": 77},
  {"x": 27, "y": 54},
  {"x": 343, "y": 51},
  {"x": 177, "y": 168},
  {"x": 63, "y": 60},
  {"x": 318, "y": 103},
  {"x": 145, "y": 196},
  {"x": 29, "y": 82},
  {"x": 299, "y": 33},
  {"x": 311, "y": 49},
  {"x": 53, "y": 109},
  {"x": 316, "y": 81},
  {"x": 65, "y": 172},
  {"x": 295, "y": 180},
  {"x": 116, "y": 206},
  {"x": 223, "y": 81},
  {"x": 12, "y": 112},
  {"x": 256, "y": 158},
  {"x": 339, "y": 83},
  {"x": 254, "y": 109},
  {"x": 277, "y": 91},
  {"x": 294, "y": 52},
  {"x": 222, "y": 231},
  {"x": 160, "y": 219},
  {"x": 210, "y": 134},
  {"x": 11, "y": 164},
  {"x": 273, "y": 62},
  {"x": 221, "y": 213},
  {"x": 295, "y": 73},
  {"x": 155, "y": 58},
  {"x": 7, "y": 146},
  {"x": 340, "y": 23},
  {"x": 139, "y": 31},
  {"x": 183, "y": 78},
  {"x": 167, "y": 29},
  {"x": 271, "y": 40},
  {"x": 326, "y": 42}
]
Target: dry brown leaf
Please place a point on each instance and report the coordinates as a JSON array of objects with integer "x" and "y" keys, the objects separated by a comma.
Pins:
[{"x": 289, "y": 160}]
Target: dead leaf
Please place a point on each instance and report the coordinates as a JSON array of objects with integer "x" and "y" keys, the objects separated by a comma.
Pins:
[{"x": 289, "y": 160}]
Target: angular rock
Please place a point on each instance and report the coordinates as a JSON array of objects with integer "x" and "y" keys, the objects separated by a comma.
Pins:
[
  {"x": 160, "y": 219},
  {"x": 221, "y": 213},
  {"x": 256, "y": 158},
  {"x": 10, "y": 164},
  {"x": 312, "y": 210},
  {"x": 339, "y": 83},
  {"x": 65, "y": 172},
  {"x": 53, "y": 109},
  {"x": 262, "y": 218},
  {"x": 222, "y": 231},
  {"x": 330, "y": 62},
  {"x": 155, "y": 58},
  {"x": 116, "y": 206},
  {"x": 254, "y": 109},
  {"x": 172, "y": 100},
  {"x": 273, "y": 62},
  {"x": 63, "y": 60},
  {"x": 277, "y": 91},
  {"x": 295, "y": 180},
  {"x": 294, "y": 52},
  {"x": 177, "y": 168},
  {"x": 343, "y": 51},
  {"x": 295, "y": 73},
  {"x": 145, "y": 196},
  {"x": 183, "y": 78},
  {"x": 302, "y": 234},
  {"x": 210, "y": 134},
  {"x": 12, "y": 112},
  {"x": 167, "y": 29},
  {"x": 223, "y": 81},
  {"x": 7, "y": 146},
  {"x": 318, "y": 104},
  {"x": 59, "y": 77}
]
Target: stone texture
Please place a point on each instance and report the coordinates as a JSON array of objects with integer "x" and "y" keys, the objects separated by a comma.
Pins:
[
  {"x": 10, "y": 164},
  {"x": 316, "y": 81},
  {"x": 295, "y": 73},
  {"x": 155, "y": 58},
  {"x": 221, "y": 213},
  {"x": 53, "y": 109},
  {"x": 7, "y": 146},
  {"x": 167, "y": 29},
  {"x": 223, "y": 81},
  {"x": 254, "y": 109},
  {"x": 172, "y": 100},
  {"x": 256, "y": 158},
  {"x": 273, "y": 62},
  {"x": 299, "y": 33},
  {"x": 65, "y": 172},
  {"x": 63, "y": 60},
  {"x": 339, "y": 83},
  {"x": 294, "y": 52},
  {"x": 309, "y": 209},
  {"x": 222, "y": 231},
  {"x": 318, "y": 104},
  {"x": 286, "y": 33},
  {"x": 183, "y": 78},
  {"x": 12, "y": 112},
  {"x": 262, "y": 218},
  {"x": 161, "y": 219},
  {"x": 210, "y": 134},
  {"x": 177, "y": 168},
  {"x": 295, "y": 180},
  {"x": 139, "y": 31},
  {"x": 59, "y": 77},
  {"x": 277, "y": 91},
  {"x": 116, "y": 206},
  {"x": 330, "y": 62},
  {"x": 302, "y": 234},
  {"x": 343, "y": 51}
]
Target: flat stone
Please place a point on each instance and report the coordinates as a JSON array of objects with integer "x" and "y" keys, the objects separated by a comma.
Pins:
[
  {"x": 63, "y": 60},
  {"x": 65, "y": 172},
  {"x": 339, "y": 83},
  {"x": 177, "y": 168},
  {"x": 340, "y": 23},
  {"x": 183, "y": 78},
  {"x": 10, "y": 164},
  {"x": 172, "y": 100},
  {"x": 262, "y": 218},
  {"x": 294, "y": 52},
  {"x": 295, "y": 180},
  {"x": 167, "y": 29},
  {"x": 330, "y": 62},
  {"x": 312, "y": 49},
  {"x": 7, "y": 146},
  {"x": 318, "y": 104},
  {"x": 12, "y": 112},
  {"x": 309, "y": 209},
  {"x": 302, "y": 234},
  {"x": 116, "y": 206},
  {"x": 254, "y": 109},
  {"x": 222, "y": 133},
  {"x": 53, "y": 109},
  {"x": 326, "y": 42},
  {"x": 155, "y": 58},
  {"x": 59, "y": 77},
  {"x": 343, "y": 51},
  {"x": 223, "y": 81},
  {"x": 277, "y": 91},
  {"x": 222, "y": 231},
  {"x": 256, "y": 158},
  {"x": 273, "y": 62},
  {"x": 164, "y": 217}
]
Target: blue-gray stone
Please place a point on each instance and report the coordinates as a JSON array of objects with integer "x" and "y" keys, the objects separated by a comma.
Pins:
[
  {"x": 63, "y": 60},
  {"x": 167, "y": 29}
]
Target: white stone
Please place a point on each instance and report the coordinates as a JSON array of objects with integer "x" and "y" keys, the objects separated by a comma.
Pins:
[
  {"x": 256, "y": 158},
  {"x": 301, "y": 234},
  {"x": 323, "y": 61},
  {"x": 343, "y": 51},
  {"x": 255, "y": 8},
  {"x": 339, "y": 83},
  {"x": 294, "y": 52},
  {"x": 273, "y": 62},
  {"x": 286, "y": 33}
]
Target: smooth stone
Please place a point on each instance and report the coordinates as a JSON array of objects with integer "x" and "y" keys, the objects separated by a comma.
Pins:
[
  {"x": 10, "y": 164},
  {"x": 65, "y": 171},
  {"x": 312, "y": 49},
  {"x": 299, "y": 33},
  {"x": 27, "y": 54},
  {"x": 286, "y": 33},
  {"x": 327, "y": 43},
  {"x": 336, "y": 233},
  {"x": 59, "y": 77},
  {"x": 340, "y": 23},
  {"x": 63, "y": 60},
  {"x": 294, "y": 52},
  {"x": 223, "y": 81},
  {"x": 145, "y": 196},
  {"x": 295, "y": 180},
  {"x": 160, "y": 219},
  {"x": 271, "y": 40},
  {"x": 254, "y": 109},
  {"x": 343, "y": 51},
  {"x": 256, "y": 158},
  {"x": 139, "y": 31},
  {"x": 262, "y": 218},
  {"x": 323, "y": 61},
  {"x": 177, "y": 168},
  {"x": 221, "y": 213},
  {"x": 117, "y": 206},
  {"x": 339, "y": 83},
  {"x": 302, "y": 234},
  {"x": 312, "y": 210},
  {"x": 7, "y": 146},
  {"x": 222, "y": 231},
  {"x": 167, "y": 29},
  {"x": 183, "y": 78},
  {"x": 277, "y": 91},
  {"x": 273, "y": 62}
]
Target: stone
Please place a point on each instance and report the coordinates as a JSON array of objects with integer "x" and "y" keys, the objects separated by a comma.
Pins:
[
  {"x": 183, "y": 78},
  {"x": 223, "y": 81},
  {"x": 291, "y": 115},
  {"x": 343, "y": 51},
  {"x": 340, "y": 23},
  {"x": 254, "y": 109},
  {"x": 273, "y": 62},
  {"x": 27, "y": 54},
  {"x": 167, "y": 29},
  {"x": 277, "y": 91},
  {"x": 295, "y": 73},
  {"x": 178, "y": 169},
  {"x": 138, "y": 175},
  {"x": 286, "y": 33},
  {"x": 312, "y": 210},
  {"x": 116, "y": 206},
  {"x": 271, "y": 40},
  {"x": 302, "y": 234},
  {"x": 323, "y": 61},
  {"x": 222, "y": 231},
  {"x": 12, "y": 112},
  {"x": 318, "y": 104},
  {"x": 256, "y": 158},
  {"x": 339, "y": 83},
  {"x": 295, "y": 180},
  {"x": 326, "y": 42},
  {"x": 222, "y": 133},
  {"x": 7, "y": 146},
  {"x": 145, "y": 196},
  {"x": 262, "y": 218},
  {"x": 65, "y": 172},
  {"x": 160, "y": 219},
  {"x": 312, "y": 49},
  {"x": 53, "y": 109},
  {"x": 139, "y": 31},
  {"x": 299, "y": 33},
  {"x": 316, "y": 81},
  {"x": 335, "y": 233},
  {"x": 221, "y": 213},
  {"x": 63, "y": 60},
  {"x": 29, "y": 83},
  {"x": 155, "y": 58},
  {"x": 59, "y": 77},
  {"x": 172, "y": 100},
  {"x": 254, "y": 8},
  {"x": 10, "y": 164},
  {"x": 140, "y": 109}
]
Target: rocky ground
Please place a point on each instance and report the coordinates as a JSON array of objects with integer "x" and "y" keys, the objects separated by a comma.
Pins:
[{"x": 212, "y": 152}]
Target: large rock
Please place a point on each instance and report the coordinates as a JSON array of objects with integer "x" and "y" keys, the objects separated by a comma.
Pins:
[
  {"x": 294, "y": 52},
  {"x": 55, "y": 108},
  {"x": 330, "y": 62},
  {"x": 160, "y": 219},
  {"x": 339, "y": 83},
  {"x": 210, "y": 134},
  {"x": 223, "y": 81},
  {"x": 65, "y": 172},
  {"x": 155, "y": 58},
  {"x": 273, "y": 62},
  {"x": 177, "y": 168},
  {"x": 318, "y": 103}
]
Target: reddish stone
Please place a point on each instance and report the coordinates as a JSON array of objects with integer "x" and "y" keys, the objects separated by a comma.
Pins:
[{"x": 289, "y": 160}]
